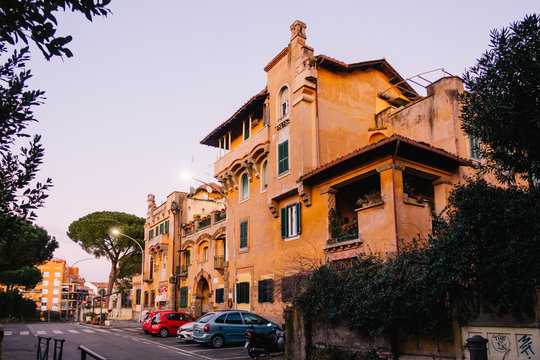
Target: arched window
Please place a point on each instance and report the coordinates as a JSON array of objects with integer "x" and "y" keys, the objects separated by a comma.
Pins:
[
  {"x": 284, "y": 101},
  {"x": 205, "y": 253},
  {"x": 245, "y": 187},
  {"x": 264, "y": 175}
]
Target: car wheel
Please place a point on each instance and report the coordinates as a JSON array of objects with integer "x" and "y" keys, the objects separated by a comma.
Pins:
[
  {"x": 163, "y": 332},
  {"x": 217, "y": 341},
  {"x": 146, "y": 331}
]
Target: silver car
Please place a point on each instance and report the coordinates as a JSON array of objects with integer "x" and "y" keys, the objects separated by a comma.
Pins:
[{"x": 185, "y": 332}]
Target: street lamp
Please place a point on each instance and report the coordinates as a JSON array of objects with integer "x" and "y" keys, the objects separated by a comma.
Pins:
[
  {"x": 233, "y": 233},
  {"x": 116, "y": 232},
  {"x": 69, "y": 282}
]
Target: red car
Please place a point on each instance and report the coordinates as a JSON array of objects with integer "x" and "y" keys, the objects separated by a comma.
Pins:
[
  {"x": 167, "y": 322},
  {"x": 147, "y": 319}
]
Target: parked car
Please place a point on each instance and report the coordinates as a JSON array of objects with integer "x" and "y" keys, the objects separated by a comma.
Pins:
[
  {"x": 222, "y": 327},
  {"x": 185, "y": 332},
  {"x": 168, "y": 322},
  {"x": 146, "y": 323}
]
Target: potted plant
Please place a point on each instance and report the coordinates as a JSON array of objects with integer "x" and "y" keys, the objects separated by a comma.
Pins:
[{"x": 372, "y": 198}]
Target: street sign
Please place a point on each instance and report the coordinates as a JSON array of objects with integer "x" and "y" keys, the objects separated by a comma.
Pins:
[{"x": 102, "y": 292}]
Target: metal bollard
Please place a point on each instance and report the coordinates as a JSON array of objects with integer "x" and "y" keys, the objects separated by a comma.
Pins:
[
  {"x": 477, "y": 347},
  {"x": 43, "y": 353}
]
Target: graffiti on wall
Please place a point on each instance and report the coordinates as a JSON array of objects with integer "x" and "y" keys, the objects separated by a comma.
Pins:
[
  {"x": 525, "y": 346},
  {"x": 500, "y": 342}
]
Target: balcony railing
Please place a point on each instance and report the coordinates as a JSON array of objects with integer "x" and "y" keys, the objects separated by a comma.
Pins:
[
  {"x": 220, "y": 216},
  {"x": 219, "y": 262},
  {"x": 205, "y": 223},
  {"x": 349, "y": 235}
]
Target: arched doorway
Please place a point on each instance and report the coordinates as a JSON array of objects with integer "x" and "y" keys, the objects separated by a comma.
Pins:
[{"x": 202, "y": 298}]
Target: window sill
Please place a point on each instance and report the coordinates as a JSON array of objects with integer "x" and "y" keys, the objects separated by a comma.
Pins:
[
  {"x": 243, "y": 250},
  {"x": 243, "y": 200},
  {"x": 291, "y": 238},
  {"x": 283, "y": 174}
]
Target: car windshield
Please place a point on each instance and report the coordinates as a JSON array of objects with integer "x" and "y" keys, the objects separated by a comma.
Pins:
[{"x": 205, "y": 318}]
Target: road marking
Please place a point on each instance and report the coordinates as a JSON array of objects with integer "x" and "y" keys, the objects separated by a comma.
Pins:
[
  {"x": 88, "y": 331},
  {"x": 103, "y": 330},
  {"x": 57, "y": 331},
  {"x": 8, "y": 333},
  {"x": 39, "y": 332},
  {"x": 175, "y": 349},
  {"x": 73, "y": 331},
  {"x": 26, "y": 332}
]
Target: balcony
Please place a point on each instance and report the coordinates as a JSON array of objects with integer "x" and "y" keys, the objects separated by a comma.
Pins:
[
  {"x": 159, "y": 241},
  {"x": 219, "y": 262},
  {"x": 205, "y": 223},
  {"x": 244, "y": 148},
  {"x": 220, "y": 216},
  {"x": 182, "y": 271}
]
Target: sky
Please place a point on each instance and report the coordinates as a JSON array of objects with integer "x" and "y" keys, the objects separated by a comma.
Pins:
[{"x": 124, "y": 117}]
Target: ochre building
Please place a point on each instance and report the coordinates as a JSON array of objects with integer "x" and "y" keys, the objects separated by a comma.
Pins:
[{"x": 328, "y": 161}]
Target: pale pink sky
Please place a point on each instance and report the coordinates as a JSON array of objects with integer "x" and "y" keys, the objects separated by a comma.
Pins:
[{"x": 146, "y": 84}]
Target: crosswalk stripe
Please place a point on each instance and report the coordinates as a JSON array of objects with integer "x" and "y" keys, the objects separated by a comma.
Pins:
[
  {"x": 57, "y": 331},
  {"x": 26, "y": 332},
  {"x": 88, "y": 331},
  {"x": 8, "y": 333},
  {"x": 103, "y": 330},
  {"x": 39, "y": 332},
  {"x": 73, "y": 331}
]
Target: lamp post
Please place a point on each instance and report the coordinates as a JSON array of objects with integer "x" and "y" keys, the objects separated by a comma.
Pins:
[
  {"x": 233, "y": 236},
  {"x": 116, "y": 232},
  {"x": 69, "y": 283}
]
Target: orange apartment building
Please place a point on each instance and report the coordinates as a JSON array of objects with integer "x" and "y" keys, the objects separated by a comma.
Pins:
[
  {"x": 328, "y": 161},
  {"x": 59, "y": 289}
]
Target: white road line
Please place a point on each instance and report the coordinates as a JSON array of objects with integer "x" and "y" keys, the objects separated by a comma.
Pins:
[
  {"x": 57, "y": 331},
  {"x": 7, "y": 333},
  {"x": 103, "y": 330},
  {"x": 73, "y": 331},
  {"x": 88, "y": 331},
  {"x": 39, "y": 332},
  {"x": 26, "y": 332}
]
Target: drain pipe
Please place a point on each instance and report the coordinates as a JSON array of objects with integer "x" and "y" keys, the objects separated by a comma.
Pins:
[{"x": 394, "y": 194}]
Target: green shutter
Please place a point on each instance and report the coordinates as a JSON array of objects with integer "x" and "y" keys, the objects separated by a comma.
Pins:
[
  {"x": 284, "y": 222},
  {"x": 151, "y": 234},
  {"x": 266, "y": 290},
  {"x": 242, "y": 293},
  {"x": 161, "y": 228},
  {"x": 183, "y": 296},
  {"x": 167, "y": 227},
  {"x": 261, "y": 290},
  {"x": 285, "y": 155},
  {"x": 298, "y": 218},
  {"x": 243, "y": 234},
  {"x": 219, "y": 295}
]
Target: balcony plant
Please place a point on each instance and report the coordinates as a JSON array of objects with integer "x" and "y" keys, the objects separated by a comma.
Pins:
[{"x": 372, "y": 198}]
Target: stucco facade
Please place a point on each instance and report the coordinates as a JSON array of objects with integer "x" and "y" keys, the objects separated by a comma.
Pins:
[{"x": 328, "y": 145}]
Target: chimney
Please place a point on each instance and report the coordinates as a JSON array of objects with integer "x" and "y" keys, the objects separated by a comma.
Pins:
[{"x": 298, "y": 32}]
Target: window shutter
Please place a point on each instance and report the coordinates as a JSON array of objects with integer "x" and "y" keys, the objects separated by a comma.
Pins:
[
  {"x": 284, "y": 230},
  {"x": 151, "y": 234},
  {"x": 219, "y": 295},
  {"x": 286, "y": 155},
  {"x": 280, "y": 158},
  {"x": 260, "y": 290},
  {"x": 270, "y": 290},
  {"x": 243, "y": 234},
  {"x": 298, "y": 218},
  {"x": 161, "y": 228},
  {"x": 167, "y": 227},
  {"x": 183, "y": 296}
]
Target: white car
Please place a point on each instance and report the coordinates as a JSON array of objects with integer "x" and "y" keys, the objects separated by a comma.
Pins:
[{"x": 185, "y": 332}]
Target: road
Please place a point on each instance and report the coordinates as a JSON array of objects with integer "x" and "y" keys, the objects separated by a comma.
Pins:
[{"x": 20, "y": 343}]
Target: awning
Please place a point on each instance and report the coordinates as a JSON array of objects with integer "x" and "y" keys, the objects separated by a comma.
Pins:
[{"x": 161, "y": 298}]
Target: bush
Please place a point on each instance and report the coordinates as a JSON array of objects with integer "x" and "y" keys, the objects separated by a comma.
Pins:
[{"x": 13, "y": 305}]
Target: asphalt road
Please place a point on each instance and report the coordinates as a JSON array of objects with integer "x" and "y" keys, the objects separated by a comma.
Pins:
[{"x": 20, "y": 343}]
